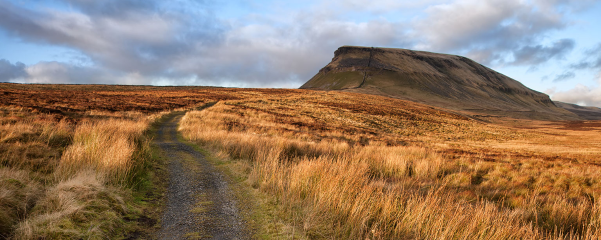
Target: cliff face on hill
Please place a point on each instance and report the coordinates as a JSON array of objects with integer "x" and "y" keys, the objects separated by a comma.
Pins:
[{"x": 441, "y": 80}]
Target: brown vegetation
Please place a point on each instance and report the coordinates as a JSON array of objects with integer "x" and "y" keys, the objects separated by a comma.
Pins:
[
  {"x": 73, "y": 100},
  {"x": 358, "y": 166},
  {"x": 341, "y": 165},
  {"x": 73, "y": 157},
  {"x": 69, "y": 158},
  {"x": 62, "y": 180}
]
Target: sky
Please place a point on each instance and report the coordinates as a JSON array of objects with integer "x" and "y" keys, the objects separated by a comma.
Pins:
[{"x": 551, "y": 46}]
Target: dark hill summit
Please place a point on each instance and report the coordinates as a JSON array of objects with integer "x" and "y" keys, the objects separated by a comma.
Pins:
[{"x": 441, "y": 80}]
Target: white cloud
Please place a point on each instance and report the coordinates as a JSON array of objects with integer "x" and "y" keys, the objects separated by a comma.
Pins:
[
  {"x": 451, "y": 26},
  {"x": 378, "y": 6},
  {"x": 48, "y": 72},
  {"x": 581, "y": 94},
  {"x": 496, "y": 32},
  {"x": 57, "y": 72},
  {"x": 130, "y": 41}
]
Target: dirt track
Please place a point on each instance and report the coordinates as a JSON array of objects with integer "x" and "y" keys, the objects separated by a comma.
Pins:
[{"x": 199, "y": 203}]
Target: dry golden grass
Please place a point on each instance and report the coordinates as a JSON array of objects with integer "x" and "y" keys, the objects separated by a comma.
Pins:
[
  {"x": 64, "y": 179},
  {"x": 71, "y": 155},
  {"x": 83, "y": 206},
  {"x": 357, "y": 166},
  {"x": 18, "y": 193},
  {"x": 341, "y": 165},
  {"x": 105, "y": 146}
]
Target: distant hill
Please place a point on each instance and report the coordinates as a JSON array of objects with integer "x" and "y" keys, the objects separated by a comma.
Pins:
[
  {"x": 441, "y": 80},
  {"x": 589, "y": 113}
]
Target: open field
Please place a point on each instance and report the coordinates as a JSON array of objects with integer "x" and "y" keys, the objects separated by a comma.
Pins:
[
  {"x": 74, "y": 159},
  {"x": 358, "y": 166},
  {"x": 341, "y": 165},
  {"x": 69, "y": 164}
]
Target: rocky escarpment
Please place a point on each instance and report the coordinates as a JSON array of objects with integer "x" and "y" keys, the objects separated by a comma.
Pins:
[{"x": 442, "y": 80}]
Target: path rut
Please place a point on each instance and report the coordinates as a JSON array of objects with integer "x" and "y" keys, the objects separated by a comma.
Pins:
[{"x": 199, "y": 203}]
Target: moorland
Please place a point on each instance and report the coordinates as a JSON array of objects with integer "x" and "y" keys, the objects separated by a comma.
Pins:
[{"x": 76, "y": 161}]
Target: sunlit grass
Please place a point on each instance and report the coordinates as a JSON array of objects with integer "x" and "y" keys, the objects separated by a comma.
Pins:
[
  {"x": 104, "y": 146},
  {"x": 347, "y": 170},
  {"x": 340, "y": 165},
  {"x": 60, "y": 179}
]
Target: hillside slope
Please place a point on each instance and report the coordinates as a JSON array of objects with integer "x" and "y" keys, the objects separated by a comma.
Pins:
[
  {"x": 441, "y": 80},
  {"x": 589, "y": 113}
]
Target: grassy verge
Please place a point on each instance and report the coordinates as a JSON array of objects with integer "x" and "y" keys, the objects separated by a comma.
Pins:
[
  {"x": 92, "y": 178},
  {"x": 263, "y": 213},
  {"x": 149, "y": 188}
]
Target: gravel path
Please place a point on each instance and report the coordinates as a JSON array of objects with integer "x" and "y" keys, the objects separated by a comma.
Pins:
[{"x": 199, "y": 203}]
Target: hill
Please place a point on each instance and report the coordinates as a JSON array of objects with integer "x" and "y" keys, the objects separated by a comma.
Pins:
[
  {"x": 589, "y": 113},
  {"x": 448, "y": 81}
]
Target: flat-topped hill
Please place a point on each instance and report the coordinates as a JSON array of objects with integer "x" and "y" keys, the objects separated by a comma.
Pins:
[{"x": 448, "y": 81}]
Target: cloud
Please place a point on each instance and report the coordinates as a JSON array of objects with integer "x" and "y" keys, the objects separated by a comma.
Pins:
[
  {"x": 111, "y": 7},
  {"x": 564, "y": 76},
  {"x": 581, "y": 94},
  {"x": 118, "y": 35},
  {"x": 497, "y": 32},
  {"x": 450, "y": 26},
  {"x": 156, "y": 41},
  {"x": 591, "y": 61},
  {"x": 570, "y": 6},
  {"x": 377, "y": 6},
  {"x": 264, "y": 55},
  {"x": 48, "y": 72},
  {"x": 55, "y": 72},
  {"x": 9, "y": 71},
  {"x": 188, "y": 42},
  {"x": 535, "y": 55},
  {"x": 63, "y": 73}
]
